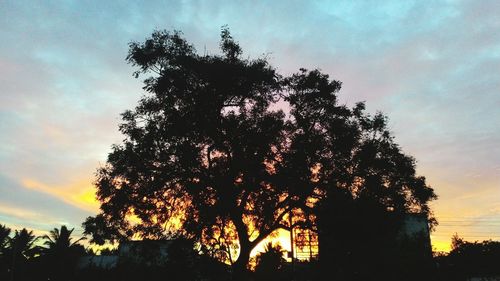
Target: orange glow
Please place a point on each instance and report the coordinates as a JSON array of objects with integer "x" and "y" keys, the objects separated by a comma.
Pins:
[
  {"x": 132, "y": 218},
  {"x": 280, "y": 236},
  {"x": 440, "y": 245},
  {"x": 80, "y": 193}
]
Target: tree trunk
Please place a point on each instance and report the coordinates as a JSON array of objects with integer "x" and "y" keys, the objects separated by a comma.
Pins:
[{"x": 240, "y": 271}]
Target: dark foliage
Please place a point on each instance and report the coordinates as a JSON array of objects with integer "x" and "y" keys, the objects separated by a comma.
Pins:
[
  {"x": 4, "y": 251},
  {"x": 60, "y": 257},
  {"x": 270, "y": 265},
  {"x": 470, "y": 259},
  {"x": 181, "y": 262},
  {"x": 23, "y": 259},
  {"x": 206, "y": 146},
  {"x": 20, "y": 255}
]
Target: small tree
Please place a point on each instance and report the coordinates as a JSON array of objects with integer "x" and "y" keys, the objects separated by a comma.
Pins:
[
  {"x": 469, "y": 259},
  {"x": 61, "y": 253},
  {"x": 4, "y": 251},
  {"x": 22, "y": 250},
  {"x": 456, "y": 242},
  {"x": 270, "y": 265},
  {"x": 4, "y": 238}
]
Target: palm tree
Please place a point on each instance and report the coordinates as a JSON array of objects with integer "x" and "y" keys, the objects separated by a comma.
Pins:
[
  {"x": 61, "y": 253},
  {"x": 59, "y": 241},
  {"x": 4, "y": 238},
  {"x": 23, "y": 248},
  {"x": 271, "y": 264},
  {"x": 4, "y": 250},
  {"x": 23, "y": 244}
]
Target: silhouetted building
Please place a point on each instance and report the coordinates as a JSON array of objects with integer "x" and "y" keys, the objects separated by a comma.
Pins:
[
  {"x": 141, "y": 252},
  {"x": 415, "y": 228},
  {"x": 369, "y": 244},
  {"x": 102, "y": 262},
  {"x": 144, "y": 252},
  {"x": 415, "y": 224}
]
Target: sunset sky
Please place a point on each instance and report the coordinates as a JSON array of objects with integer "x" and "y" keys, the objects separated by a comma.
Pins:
[{"x": 432, "y": 66}]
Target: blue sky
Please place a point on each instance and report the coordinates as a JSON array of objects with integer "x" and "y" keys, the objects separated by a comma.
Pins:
[{"x": 432, "y": 66}]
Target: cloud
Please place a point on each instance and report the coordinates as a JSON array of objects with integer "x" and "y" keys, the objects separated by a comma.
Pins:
[
  {"x": 20, "y": 213},
  {"x": 79, "y": 194},
  {"x": 23, "y": 207}
]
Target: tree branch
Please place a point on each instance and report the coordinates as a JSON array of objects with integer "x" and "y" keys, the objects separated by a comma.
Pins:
[{"x": 274, "y": 226}]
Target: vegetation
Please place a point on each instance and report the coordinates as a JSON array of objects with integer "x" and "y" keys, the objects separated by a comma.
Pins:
[
  {"x": 271, "y": 265},
  {"x": 210, "y": 154},
  {"x": 23, "y": 258},
  {"x": 59, "y": 258},
  {"x": 61, "y": 254},
  {"x": 5, "y": 253},
  {"x": 470, "y": 259}
]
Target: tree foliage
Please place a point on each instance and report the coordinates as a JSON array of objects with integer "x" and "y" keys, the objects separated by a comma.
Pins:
[
  {"x": 470, "y": 259},
  {"x": 59, "y": 240},
  {"x": 270, "y": 264},
  {"x": 224, "y": 149},
  {"x": 61, "y": 253},
  {"x": 5, "y": 259},
  {"x": 22, "y": 257},
  {"x": 4, "y": 238},
  {"x": 23, "y": 244}
]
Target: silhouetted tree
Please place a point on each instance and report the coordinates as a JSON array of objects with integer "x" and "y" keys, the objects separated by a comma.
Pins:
[
  {"x": 270, "y": 265},
  {"x": 4, "y": 251},
  {"x": 182, "y": 261},
  {"x": 456, "y": 242},
  {"x": 468, "y": 259},
  {"x": 61, "y": 253},
  {"x": 4, "y": 238},
  {"x": 108, "y": 252},
  {"x": 207, "y": 155},
  {"x": 23, "y": 243},
  {"x": 60, "y": 240},
  {"x": 22, "y": 250}
]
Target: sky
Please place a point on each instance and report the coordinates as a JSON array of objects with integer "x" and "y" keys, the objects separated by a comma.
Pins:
[{"x": 433, "y": 67}]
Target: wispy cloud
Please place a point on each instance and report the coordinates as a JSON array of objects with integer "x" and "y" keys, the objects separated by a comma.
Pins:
[
  {"x": 21, "y": 206},
  {"x": 79, "y": 194}
]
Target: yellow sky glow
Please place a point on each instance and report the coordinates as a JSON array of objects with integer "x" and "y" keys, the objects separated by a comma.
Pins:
[{"x": 80, "y": 193}]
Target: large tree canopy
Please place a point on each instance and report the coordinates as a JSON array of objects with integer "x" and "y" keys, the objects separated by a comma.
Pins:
[{"x": 223, "y": 149}]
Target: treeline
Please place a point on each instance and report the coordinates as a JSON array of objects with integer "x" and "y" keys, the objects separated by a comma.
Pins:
[
  {"x": 25, "y": 256},
  {"x": 469, "y": 259},
  {"x": 57, "y": 256}
]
